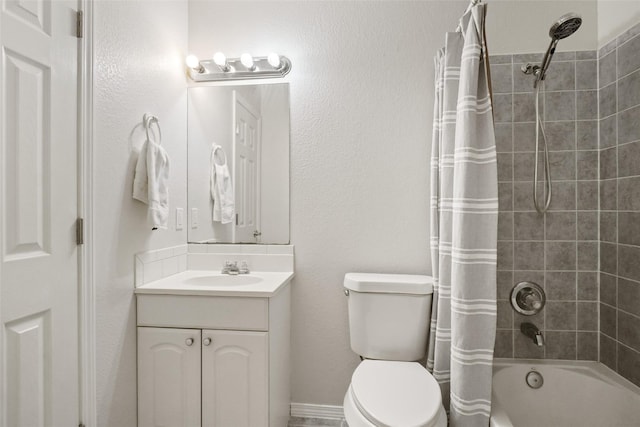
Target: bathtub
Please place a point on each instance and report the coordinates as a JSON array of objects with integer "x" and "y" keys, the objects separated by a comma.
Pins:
[{"x": 573, "y": 393}]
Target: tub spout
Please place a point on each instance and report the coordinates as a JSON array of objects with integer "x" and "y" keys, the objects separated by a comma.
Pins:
[{"x": 532, "y": 331}]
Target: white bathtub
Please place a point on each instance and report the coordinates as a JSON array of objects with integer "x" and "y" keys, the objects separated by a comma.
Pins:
[{"x": 574, "y": 393}]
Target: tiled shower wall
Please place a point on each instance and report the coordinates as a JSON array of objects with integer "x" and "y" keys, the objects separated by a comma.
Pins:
[
  {"x": 619, "y": 94},
  {"x": 558, "y": 250}
]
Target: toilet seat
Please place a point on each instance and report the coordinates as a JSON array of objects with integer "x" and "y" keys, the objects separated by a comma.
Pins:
[{"x": 392, "y": 394}]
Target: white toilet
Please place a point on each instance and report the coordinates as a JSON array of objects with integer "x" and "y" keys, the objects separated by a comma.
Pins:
[{"x": 389, "y": 317}]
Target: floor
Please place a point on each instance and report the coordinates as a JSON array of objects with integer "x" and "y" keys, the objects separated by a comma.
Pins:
[{"x": 316, "y": 422}]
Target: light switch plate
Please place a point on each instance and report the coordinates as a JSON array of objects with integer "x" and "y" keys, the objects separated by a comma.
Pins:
[
  {"x": 194, "y": 217},
  {"x": 179, "y": 218}
]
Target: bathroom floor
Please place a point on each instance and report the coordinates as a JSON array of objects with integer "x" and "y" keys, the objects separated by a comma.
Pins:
[{"x": 316, "y": 422}]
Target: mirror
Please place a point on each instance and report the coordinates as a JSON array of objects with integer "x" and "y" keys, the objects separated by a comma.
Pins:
[{"x": 250, "y": 124}]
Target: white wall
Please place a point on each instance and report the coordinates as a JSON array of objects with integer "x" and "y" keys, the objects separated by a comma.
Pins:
[
  {"x": 614, "y": 17},
  {"x": 138, "y": 67},
  {"x": 361, "y": 112}
]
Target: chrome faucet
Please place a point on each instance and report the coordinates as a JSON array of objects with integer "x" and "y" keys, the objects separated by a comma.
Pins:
[
  {"x": 532, "y": 331},
  {"x": 231, "y": 267}
]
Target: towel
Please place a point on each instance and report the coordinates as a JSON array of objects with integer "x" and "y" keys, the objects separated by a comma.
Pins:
[
  {"x": 150, "y": 183},
  {"x": 221, "y": 188}
]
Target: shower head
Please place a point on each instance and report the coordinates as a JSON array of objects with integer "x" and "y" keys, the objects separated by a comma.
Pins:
[{"x": 565, "y": 26}]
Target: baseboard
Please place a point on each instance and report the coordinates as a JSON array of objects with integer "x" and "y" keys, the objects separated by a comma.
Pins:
[{"x": 308, "y": 410}]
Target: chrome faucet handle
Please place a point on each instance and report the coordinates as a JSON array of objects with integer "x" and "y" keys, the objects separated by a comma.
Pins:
[
  {"x": 539, "y": 339},
  {"x": 229, "y": 267},
  {"x": 244, "y": 268}
]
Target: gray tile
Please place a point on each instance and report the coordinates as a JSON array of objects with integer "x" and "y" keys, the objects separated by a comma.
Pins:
[
  {"x": 522, "y": 196},
  {"x": 564, "y": 196},
  {"x": 587, "y": 316},
  {"x": 608, "y": 258},
  {"x": 629, "y": 91},
  {"x": 560, "y": 256},
  {"x": 563, "y": 165},
  {"x": 587, "y": 105},
  {"x": 560, "y": 226},
  {"x": 629, "y": 296},
  {"x": 501, "y": 78},
  {"x": 528, "y": 226},
  {"x": 628, "y": 265},
  {"x": 587, "y": 75},
  {"x": 629, "y": 194},
  {"x": 587, "y": 164},
  {"x": 587, "y": 135},
  {"x": 505, "y": 226},
  {"x": 524, "y": 137},
  {"x": 587, "y": 195},
  {"x": 560, "y": 76},
  {"x": 523, "y": 58},
  {"x": 505, "y": 315},
  {"x": 587, "y": 286},
  {"x": 608, "y": 227},
  {"x": 560, "y": 106},
  {"x": 587, "y": 226},
  {"x": 607, "y": 69},
  {"x": 505, "y": 196},
  {"x": 560, "y": 345},
  {"x": 524, "y": 348},
  {"x": 523, "y": 164},
  {"x": 607, "y": 100},
  {"x": 629, "y": 159},
  {"x": 560, "y": 315},
  {"x": 499, "y": 59},
  {"x": 608, "y": 163},
  {"x": 629, "y": 330},
  {"x": 521, "y": 82},
  {"x": 505, "y": 255},
  {"x": 561, "y": 135},
  {"x": 608, "y": 352},
  {"x": 628, "y": 362},
  {"x": 505, "y": 283},
  {"x": 608, "y": 289},
  {"x": 607, "y": 48},
  {"x": 502, "y": 108},
  {"x": 628, "y": 34},
  {"x": 608, "y": 321},
  {"x": 629, "y": 57},
  {"x": 565, "y": 56},
  {"x": 587, "y": 346},
  {"x": 587, "y": 256},
  {"x": 560, "y": 285},
  {"x": 629, "y": 125},
  {"x": 608, "y": 134},
  {"x": 504, "y": 343},
  {"x": 528, "y": 255},
  {"x": 586, "y": 54},
  {"x": 609, "y": 195},
  {"x": 629, "y": 228},
  {"x": 524, "y": 107},
  {"x": 314, "y": 422},
  {"x": 505, "y": 167},
  {"x": 504, "y": 137}
]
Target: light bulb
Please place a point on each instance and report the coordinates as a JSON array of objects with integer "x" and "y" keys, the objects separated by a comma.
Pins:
[
  {"x": 192, "y": 61},
  {"x": 274, "y": 60},
  {"x": 247, "y": 61},
  {"x": 220, "y": 59}
]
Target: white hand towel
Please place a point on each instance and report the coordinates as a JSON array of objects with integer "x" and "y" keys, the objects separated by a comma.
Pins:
[
  {"x": 151, "y": 183},
  {"x": 221, "y": 189}
]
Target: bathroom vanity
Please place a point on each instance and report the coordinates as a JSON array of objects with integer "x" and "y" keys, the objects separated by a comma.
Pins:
[{"x": 213, "y": 349}]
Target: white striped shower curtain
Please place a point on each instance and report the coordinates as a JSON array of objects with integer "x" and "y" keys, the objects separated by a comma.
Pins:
[{"x": 464, "y": 223}]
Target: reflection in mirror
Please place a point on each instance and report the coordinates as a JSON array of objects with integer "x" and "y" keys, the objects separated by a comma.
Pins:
[{"x": 250, "y": 124}]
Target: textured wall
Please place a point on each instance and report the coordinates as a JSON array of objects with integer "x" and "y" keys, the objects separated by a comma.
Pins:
[
  {"x": 361, "y": 112},
  {"x": 139, "y": 51},
  {"x": 619, "y": 90},
  {"x": 614, "y": 17},
  {"x": 558, "y": 250}
]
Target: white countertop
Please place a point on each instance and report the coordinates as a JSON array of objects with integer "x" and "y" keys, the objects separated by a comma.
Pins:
[{"x": 178, "y": 284}]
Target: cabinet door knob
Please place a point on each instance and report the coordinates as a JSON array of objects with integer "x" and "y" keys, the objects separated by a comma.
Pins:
[
  {"x": 206, "y": 341},
  {"x": 189, "y": 341}
]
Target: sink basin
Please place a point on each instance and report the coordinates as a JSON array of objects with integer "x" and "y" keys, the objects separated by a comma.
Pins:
[{"x": 222, "y": 280}]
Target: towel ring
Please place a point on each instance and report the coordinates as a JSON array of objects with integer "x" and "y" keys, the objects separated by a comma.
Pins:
[{"x": 148, "y": 120}]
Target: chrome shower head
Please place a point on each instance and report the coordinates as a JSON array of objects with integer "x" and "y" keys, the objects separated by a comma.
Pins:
[{"x": 565, "y": 26}]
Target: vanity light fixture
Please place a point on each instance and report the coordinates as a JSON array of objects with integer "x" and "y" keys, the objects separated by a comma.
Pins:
[{"x": 221, "y": 68}]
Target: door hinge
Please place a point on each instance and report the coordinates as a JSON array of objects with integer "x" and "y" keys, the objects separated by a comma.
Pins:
[
  {"x": 236, "y": 219},
  {"x": 79, "y": 24},
  {"x": 80, "y": 425},
  {"x": 79, "y": 231}
]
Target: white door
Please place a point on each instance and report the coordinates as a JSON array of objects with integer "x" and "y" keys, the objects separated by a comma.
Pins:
[
  {"x": 235, "y": 379},
  {"x": 38, "y": 210},
  {"x": 168, "y": 377},
  {"x": 246, "y": 168}
]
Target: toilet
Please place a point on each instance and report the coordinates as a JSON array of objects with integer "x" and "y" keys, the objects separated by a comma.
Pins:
[{"x": 389, "y": 316}]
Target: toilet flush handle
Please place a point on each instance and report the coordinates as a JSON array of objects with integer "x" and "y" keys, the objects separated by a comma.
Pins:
[{"x": 346, "y": 292}]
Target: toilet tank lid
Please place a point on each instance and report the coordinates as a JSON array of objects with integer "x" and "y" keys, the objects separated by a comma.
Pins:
[{"x": 389, "y": 283}]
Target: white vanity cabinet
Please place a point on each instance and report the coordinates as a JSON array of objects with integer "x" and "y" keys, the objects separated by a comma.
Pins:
[{"x": 213, "y": 361}]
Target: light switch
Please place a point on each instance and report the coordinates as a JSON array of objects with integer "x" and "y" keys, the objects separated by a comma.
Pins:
[
  {"x": 179, "y": 218},
  {"x": 194, "y": 217}
]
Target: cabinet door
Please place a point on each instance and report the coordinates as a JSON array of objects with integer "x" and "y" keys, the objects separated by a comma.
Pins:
[
  {"x": 168, "y": 377},
  {"x": 234, "y": 379}
]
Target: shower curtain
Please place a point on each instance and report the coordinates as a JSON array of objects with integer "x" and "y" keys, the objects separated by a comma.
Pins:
[{"x": 464, "y": 222}]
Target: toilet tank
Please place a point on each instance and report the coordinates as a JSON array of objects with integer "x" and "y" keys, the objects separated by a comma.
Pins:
[{"x": 389, "y": 315}]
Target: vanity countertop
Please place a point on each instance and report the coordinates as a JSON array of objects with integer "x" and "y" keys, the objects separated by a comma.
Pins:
[{"x": 210, "y": 283}]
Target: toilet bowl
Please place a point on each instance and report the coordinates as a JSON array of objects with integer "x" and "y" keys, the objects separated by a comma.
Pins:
[{"x": 386, "y": 393}]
